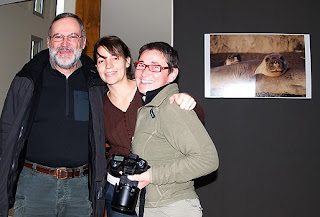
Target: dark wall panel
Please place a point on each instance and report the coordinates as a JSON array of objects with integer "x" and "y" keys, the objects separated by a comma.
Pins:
[{"x": 269, "y": 148}]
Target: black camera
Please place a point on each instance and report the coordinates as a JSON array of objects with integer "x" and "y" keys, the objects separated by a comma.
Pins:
[{"x": 126, "y": 194}]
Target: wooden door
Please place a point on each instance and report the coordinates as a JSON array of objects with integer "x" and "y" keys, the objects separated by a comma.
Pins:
[{"x": 90, "y": 12}]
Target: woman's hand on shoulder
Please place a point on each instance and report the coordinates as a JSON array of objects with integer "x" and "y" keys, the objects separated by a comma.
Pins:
[{"x": 183, "y": 100}]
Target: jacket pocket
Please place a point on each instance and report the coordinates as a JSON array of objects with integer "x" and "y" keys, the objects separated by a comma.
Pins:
[{"x": 81, "y": 105}]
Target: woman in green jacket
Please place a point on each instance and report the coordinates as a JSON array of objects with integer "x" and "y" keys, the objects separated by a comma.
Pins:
[{"x": 173, "y": 141}]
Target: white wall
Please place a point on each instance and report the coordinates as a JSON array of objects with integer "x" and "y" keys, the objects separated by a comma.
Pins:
[
  {"x": 68, "y": 6},
  {"x": 137, "y": 22},
  {"x": 17, "y": 24}
]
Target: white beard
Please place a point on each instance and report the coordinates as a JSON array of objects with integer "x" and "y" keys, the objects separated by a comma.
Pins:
[{"x": 65, "y": 63}]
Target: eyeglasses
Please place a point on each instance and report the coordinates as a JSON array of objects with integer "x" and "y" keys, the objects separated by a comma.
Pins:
[
  {"x": 73, "y": 37},
  {"x": 152, "y": 68}
]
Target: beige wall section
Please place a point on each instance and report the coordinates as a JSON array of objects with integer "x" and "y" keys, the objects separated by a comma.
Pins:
[
  {"x": 17, "y": 24},
  {"x": 137, "y": 22},
  {"x": 3, "y": 2}
]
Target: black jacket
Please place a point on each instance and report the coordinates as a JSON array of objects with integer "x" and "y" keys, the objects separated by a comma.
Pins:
[{"x": 16, "y": 120}]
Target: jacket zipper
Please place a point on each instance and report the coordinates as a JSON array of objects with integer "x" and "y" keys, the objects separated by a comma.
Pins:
[{"x": 67, "y": 97}]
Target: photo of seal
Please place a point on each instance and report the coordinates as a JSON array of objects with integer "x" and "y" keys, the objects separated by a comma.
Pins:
[
  {"x": 256, "y": 65},
  {"x": 273, "y": 65},
  {"x": 268, "y": 77}
]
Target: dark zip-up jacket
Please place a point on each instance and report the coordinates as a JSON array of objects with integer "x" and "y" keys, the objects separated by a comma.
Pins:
[{"x": 16, "y": 120}]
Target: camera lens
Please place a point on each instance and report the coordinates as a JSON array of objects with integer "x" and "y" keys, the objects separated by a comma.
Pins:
[{"x": 141, "y": 163}]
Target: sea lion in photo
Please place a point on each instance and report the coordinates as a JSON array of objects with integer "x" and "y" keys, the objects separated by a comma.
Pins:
[
  {"x": 273, "y": 65},
  {"x": 233, "y": 59}
]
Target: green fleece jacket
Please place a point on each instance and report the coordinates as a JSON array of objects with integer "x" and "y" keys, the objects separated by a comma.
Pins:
[{"x": 176, "y": 146}]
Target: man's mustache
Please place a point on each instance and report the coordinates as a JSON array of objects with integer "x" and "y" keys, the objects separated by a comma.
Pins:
[{"x": 65, "y": 48}]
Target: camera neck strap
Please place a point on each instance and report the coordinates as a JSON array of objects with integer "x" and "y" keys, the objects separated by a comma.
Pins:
[{"x": 142, "y": 201}]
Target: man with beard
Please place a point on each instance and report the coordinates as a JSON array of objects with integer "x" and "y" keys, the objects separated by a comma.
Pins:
[{"x": 51, "y": 131}]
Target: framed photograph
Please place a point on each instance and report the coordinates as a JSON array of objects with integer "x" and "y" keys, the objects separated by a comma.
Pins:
[
  {"x": 38, "y": 7},
  {"x": 257, "y": 65},
  {"x": 36, "y": 45}
]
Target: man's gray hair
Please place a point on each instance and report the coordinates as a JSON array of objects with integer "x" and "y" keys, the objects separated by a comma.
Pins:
[{"x": 65, "y": 15}]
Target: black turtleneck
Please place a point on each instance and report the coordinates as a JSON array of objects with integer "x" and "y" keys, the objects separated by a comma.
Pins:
[{"x": 151, "y": 94}]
